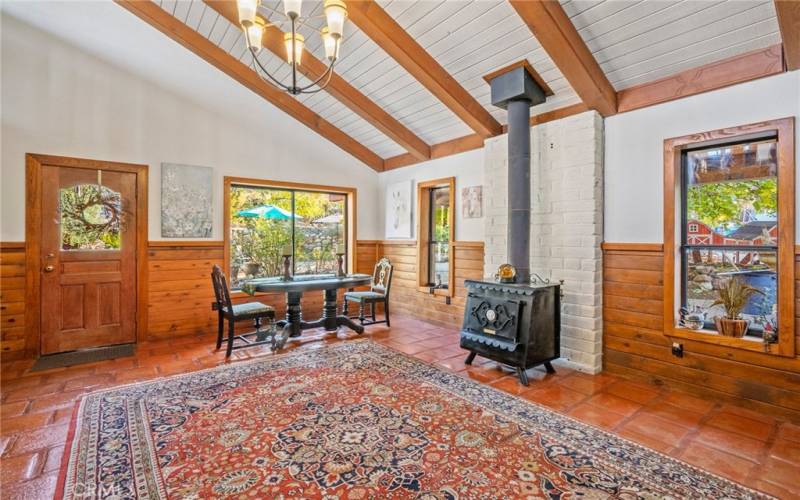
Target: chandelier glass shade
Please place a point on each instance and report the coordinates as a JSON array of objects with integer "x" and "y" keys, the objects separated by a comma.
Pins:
[{"x": 254, "y": 26}]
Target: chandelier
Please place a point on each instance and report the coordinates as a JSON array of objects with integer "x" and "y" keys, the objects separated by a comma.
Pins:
[{"x": 253, "y": 25}]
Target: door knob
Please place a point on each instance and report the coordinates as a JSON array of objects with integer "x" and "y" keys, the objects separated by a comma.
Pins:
[{"x": 48, "y": 268}]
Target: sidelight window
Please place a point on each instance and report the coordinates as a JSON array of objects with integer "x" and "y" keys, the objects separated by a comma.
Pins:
[
  {"x": 435, "y": 200},
  {"x": 439, "y": 237}
]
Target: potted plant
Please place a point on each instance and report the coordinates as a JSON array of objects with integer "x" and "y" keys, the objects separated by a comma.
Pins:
[{"x": 733, "y": 296}]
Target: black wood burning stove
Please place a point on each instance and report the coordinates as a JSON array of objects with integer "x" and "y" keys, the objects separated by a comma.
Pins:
[{"x": 519, "y": 323}]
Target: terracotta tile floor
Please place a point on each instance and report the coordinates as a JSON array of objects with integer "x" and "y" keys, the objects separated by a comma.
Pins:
[{"x": 757, "y": 450}]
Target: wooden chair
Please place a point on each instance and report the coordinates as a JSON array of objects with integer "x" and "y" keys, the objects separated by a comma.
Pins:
[
  {"x": 378, "y": 293},
  {"x": 239, "y": 312}
]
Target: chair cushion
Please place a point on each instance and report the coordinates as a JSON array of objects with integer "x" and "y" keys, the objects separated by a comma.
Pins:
[
  {"x": 250, "y": 308},
  {"x": 363, "y": 296}
]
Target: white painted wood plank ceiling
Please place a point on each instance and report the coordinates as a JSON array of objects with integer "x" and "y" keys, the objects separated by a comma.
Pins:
[
  {"x": 473, "y": 38},
  {"x": 634, "y": 41},
  {"x": 638, "y": 41}
]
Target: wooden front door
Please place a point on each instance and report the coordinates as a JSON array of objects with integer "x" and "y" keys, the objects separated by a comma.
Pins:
[{"x": 88, "y": 258}]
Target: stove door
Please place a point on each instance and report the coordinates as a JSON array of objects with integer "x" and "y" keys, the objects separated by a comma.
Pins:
[{"x": 495, "y": 316}]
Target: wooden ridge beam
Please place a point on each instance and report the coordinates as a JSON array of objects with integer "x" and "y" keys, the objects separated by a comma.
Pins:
[
  {"x": 392, "y": 38},
  {"x": 202, "y": 47},
  {"x": 348, "y": 95},
  {"x": 475, "y": 141},
  {"x": 789, "y": 21},
  {"x": 440, "y": 150},
  {"x": 712, "y": 76},
  {"x": 555, "y": 32}
]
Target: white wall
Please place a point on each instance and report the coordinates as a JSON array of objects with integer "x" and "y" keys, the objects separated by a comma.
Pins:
[
  {"x": 467, "y": 168},
  {"x": 59, "y": 99},
  {"x": 634, "y": 164}
]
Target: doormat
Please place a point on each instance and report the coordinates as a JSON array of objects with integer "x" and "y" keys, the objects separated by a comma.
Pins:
[{"x": 85, "y": 356}]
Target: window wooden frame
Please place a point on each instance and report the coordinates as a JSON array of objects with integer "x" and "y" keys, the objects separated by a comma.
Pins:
[
  {"x": 423, "y": 230},
  {"x": 783, "y": 129},
  {"x": 351, "y": 224}
]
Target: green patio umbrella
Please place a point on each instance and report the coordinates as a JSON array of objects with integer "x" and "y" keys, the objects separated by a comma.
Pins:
[{"x": 267, "y": 212}]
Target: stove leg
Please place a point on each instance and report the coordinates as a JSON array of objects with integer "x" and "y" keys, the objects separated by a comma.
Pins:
[
  {"x": 549, "y": 367},
  {"x": 523, "y": 377},
  {"x": 470, "y": 358}
]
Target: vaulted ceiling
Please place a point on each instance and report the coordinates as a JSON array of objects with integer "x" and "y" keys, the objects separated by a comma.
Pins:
[{"x": 409, "y": 84}]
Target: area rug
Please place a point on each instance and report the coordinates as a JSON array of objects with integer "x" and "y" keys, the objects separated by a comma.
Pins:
[{"x": 355, "y": 420}]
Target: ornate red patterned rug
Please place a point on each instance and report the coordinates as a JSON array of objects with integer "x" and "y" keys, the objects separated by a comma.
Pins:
[{"x": 355, "y": 420}]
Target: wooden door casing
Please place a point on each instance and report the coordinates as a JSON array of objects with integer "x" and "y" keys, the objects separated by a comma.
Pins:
[{"x": 132, "y": 311}]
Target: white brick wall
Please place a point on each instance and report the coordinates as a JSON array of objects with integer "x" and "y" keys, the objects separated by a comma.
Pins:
[{"x": 566, "y": 224}]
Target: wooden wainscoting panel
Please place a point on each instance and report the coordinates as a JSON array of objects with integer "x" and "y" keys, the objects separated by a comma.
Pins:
[
  {"x": 634, "y": 344},
  {"x": 406, "y": 296},
  {"x": 12, "y": 301},
  {"x": 180, "y": 291}
]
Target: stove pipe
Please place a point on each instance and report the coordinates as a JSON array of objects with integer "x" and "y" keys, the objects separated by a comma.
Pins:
[{"x": 516, "y": 91}]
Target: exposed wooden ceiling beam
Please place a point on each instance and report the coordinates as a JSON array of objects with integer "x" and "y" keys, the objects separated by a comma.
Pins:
[
  {"x": 202, "y": 47},
  {"x": 712, "y": 76},
  {"x": 447, "y": 148},
  {"x": 789, "y": 22},
  {"x": 348, "y": 95},
  {"x": 475, "y": 141},
  {"x": 555, "y": 32},
  {"x": 383, "y": 30}
]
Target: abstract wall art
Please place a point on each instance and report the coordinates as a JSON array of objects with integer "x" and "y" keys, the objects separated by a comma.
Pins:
[
  {"x": 398, "y": 210},
  {"x": 186, "y": 201}
]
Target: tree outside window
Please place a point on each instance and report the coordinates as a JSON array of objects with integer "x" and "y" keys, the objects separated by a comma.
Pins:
[
  {"x": 267, "y": 222},
  {"x": 730, "y": 228}
]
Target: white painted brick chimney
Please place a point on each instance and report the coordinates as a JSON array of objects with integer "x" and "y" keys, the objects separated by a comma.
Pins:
[{"x": 566, "y": 224}]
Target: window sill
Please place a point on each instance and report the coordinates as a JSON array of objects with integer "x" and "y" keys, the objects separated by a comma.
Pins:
[
  {"x": 712, "y": 337},
  {"x": 438, "y": 292}
]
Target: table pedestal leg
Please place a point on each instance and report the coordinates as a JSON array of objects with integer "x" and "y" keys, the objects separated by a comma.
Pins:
[
  {"x": 293, "y": 324},
  {"x": 345, "y": 321},
  {"x": 294, "y": 315},
  {"x": 329, "y": 319}
]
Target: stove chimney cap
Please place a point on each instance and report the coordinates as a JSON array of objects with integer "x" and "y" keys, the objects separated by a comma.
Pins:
[{"x": 516, "y": 85}]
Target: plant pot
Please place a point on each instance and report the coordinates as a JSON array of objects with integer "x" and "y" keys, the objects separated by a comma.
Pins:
[
  {"x": 251, "y": 268},
  {"x": 732, "y": 327}
]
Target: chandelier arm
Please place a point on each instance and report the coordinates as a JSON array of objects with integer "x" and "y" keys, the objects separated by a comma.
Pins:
[
  {"x": 326, "y": 75},
  {"x": 274, "y": 82}
]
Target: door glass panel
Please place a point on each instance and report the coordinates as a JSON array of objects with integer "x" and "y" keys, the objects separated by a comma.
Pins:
[{"x": 91, "y": 217}]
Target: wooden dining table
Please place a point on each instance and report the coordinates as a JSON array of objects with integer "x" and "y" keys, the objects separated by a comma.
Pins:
[{"x": 329, "y": 284}]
